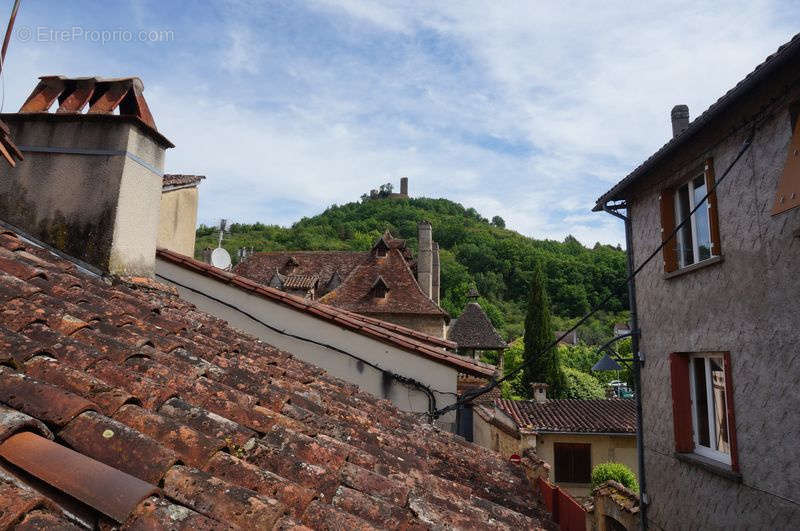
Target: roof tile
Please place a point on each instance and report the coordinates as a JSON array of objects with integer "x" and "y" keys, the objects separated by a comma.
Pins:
[
  {"x": 331, "y": 455},
  {"x": 48, "y": 403},
  {"x": 223, "y": 501},
  {"x": 572, "y": 415},
  {"x": 115, "y": 444}
]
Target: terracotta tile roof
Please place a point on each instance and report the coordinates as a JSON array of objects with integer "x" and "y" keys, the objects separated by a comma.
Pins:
[
  {"x": 473, "y": 329},
  {"x": 404, "y": 295},
  {"x": 467, "y": 383},
  {"x": 771, "y": 64},
  {"x": 178, "y": 179},
  {"x": 262, "y": 266},
  {"x": 136, "y": 387},
  {"x": 299, "y": 281},
  {"x": 572, "y": 415},
  {"x": 394, "y": 336}
]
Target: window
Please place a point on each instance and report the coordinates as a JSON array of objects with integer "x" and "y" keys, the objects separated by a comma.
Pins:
[
  {"x": 702, "y": 401},
  {"x": 698, "y": 239},
  {"x": 573, "y": 462},
  {"x": 694, "y": 238},
  {"x": 709, "y": 407}
]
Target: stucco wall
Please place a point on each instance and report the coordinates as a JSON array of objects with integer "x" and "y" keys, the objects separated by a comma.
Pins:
[
  {"x": 747, "y": 305},
  {"x": 78, "y": 202},
  {"x": 433, "y": 325},
  {"x": 177, "y": 220},
  {"x": 433, "y": 374},
  {"x": 605, "y": 449}
]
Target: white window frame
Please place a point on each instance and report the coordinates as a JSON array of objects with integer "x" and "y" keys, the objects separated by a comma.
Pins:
[
  {"x": 710, "y": 452},
  {"x": 692, "y": 221}
]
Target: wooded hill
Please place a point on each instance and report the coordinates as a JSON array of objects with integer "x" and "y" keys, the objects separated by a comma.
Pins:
[{"x": 473, "y": 251}]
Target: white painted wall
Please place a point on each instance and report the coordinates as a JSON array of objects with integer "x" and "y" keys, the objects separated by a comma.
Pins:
[{"x": 202, "y": 291}]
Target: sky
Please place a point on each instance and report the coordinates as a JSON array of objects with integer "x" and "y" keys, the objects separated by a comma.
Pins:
[{"x": 526, "y": 110}]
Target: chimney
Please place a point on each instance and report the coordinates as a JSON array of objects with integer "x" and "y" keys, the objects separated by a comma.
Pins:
[
  {"x": 435, "y": 275},
  {"x": 425, "y": 258},
  {"x": 680, "y": 119},
  {"x": 90, "y": 184},
  {"x": 540, "y": 392},
  {"x": 404, "y": 186}
]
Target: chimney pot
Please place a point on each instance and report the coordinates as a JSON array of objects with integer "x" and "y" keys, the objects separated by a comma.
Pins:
[
  {"x": 680, "y": 119},
  {"x": 539, "y": 392}
]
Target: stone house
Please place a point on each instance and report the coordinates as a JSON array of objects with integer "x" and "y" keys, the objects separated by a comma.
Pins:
[
  {"x": 718, "y": 307},
  {"x": 570, "y": 435},
  {"x": 384, "y": 283}
]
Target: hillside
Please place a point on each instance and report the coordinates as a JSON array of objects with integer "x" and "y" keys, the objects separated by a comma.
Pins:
[{"x": 474, "y": 251}]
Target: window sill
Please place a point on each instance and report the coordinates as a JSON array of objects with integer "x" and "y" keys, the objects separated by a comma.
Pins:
[
  {"x": 694, "y": 267},
  {"x": 710, "y": 465}
]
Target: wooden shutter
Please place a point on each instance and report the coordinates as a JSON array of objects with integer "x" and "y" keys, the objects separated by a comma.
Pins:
[
  {"x": 681, "y": 402},
  {"x": 726, "y": 357},
  {"x": 788, "y": 193},
  {"x": 670, "y": 251},
  {"x": 713, "y": 213}
]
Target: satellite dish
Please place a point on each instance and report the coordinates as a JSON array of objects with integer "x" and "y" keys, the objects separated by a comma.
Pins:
[{"x": 220, "y": 258}]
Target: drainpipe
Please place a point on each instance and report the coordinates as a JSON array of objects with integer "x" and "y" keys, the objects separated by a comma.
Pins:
[{"x": 638, "y": 359}]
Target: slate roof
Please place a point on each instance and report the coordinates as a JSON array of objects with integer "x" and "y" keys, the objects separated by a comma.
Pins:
[
  {"x": 179, "y": 179},
  {"x": 770, "y": 65},
  {"x": 395, "y": 335},
  {"x": 404, "y": 296},
  {"x": 131, "y": 390},
  {"x": 572, "y": 415},
  {"x": 473, "y": 329}
]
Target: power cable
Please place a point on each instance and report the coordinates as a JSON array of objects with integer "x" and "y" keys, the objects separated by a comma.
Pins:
[
  {"x": 471, "y": 395},
  {"x": 405, "y": 380}
]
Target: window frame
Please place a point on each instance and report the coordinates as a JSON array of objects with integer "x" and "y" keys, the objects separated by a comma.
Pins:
[
  {"x": 690, "y": 187},
  {"x": 700, "y": 449},
  {"x": 683, "y": 410},
  {"x": 668, "y": 199}
]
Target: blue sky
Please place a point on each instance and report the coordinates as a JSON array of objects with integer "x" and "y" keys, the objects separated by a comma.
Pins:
[{"x": 527, "y": 110}]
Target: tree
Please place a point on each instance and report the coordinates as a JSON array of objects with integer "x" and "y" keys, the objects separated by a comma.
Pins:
[
  {"x": 582, "y": 385},
  {"x": 497, "y": 221},
  {"x": 543, "y": 365}
]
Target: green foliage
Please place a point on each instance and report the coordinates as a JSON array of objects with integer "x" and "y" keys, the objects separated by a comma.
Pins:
[
  {"x": 474, "y": 252},
  {"x": 543, "y": 364},
  {"x": 513, "y": 388},
  {"x": 497, "y": 221},
  {"x": 616, "y": 471},
  {"x": 581, "y": 385}
]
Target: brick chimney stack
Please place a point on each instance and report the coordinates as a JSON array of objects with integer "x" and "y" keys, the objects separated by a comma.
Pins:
[
  {"x": 425, "y": 258},
  {"x": 90, "y": 184},
  {"x": 435, "y": 274},
  {"x": 680, "y": 119},
  {"x": 540, "y": 392}
]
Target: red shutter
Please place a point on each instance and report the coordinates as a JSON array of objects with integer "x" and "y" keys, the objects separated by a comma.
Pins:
[
  {"x": 713, "y": 212},
  {"x": 681, "y": 402},
  {"x": 670, "y": 251},
  {"x": 731, "y": 417},
  {"x": 788, "y": 192}
]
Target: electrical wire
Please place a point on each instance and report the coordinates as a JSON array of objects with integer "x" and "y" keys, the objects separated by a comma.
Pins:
[
  {"x": 471, "y": 395},
  {"x": 405, "y": 380}
]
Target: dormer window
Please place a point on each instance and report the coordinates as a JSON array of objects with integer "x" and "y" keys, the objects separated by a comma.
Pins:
[{"x": 379, "y": 289}]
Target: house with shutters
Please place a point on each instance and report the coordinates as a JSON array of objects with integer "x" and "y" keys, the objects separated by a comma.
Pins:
[{"x": 718, "y": 308}]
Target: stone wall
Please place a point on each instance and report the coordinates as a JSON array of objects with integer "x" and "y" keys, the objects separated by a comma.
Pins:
[
  {"x": 433, "y": 325},
  {"x": 748, "y": 305}
]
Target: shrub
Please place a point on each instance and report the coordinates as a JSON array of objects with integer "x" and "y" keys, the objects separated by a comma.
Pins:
[
  {"x": 616, "y": 471},
  {"x": 581, "y": 385}
]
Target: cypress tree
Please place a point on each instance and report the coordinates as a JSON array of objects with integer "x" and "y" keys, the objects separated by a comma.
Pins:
[{"x": 538, "y": 335}]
